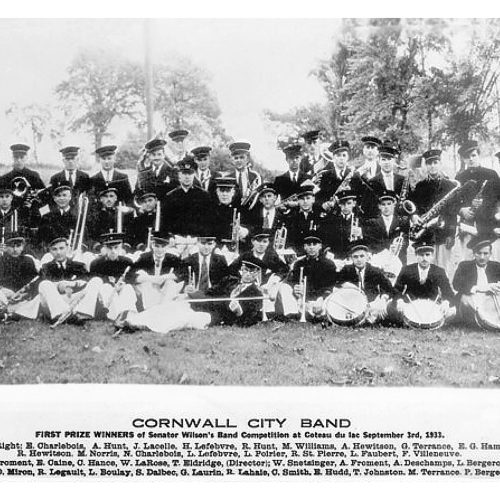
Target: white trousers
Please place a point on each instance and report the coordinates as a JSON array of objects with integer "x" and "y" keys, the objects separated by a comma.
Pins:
[
  {"x": 153, "y": 295},
  {"x": 54, "y": 303},
  {"x": 117, "y": 302},
  {"x": 26, "y": 308}
]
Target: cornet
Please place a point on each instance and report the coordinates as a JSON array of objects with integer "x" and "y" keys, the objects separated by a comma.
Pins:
[
  {"x": 280, "y": 239},
  {"x": 354, "y": 226}
]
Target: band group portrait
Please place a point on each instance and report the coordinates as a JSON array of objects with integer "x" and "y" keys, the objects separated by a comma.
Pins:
[{"x": 189, "y": 246}]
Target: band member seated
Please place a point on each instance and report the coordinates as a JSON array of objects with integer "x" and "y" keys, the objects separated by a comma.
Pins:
[
  {"x": 17, "y": 274},
  {"x": 247, "y": 180},
  {"x": 425, "y": 280},
  {"x": 225, "y": 211},
  {"x": 156, "y": 273},
  {"x": 109, "y": 176},
  {"x": 204, "y": 178},
  {"x": 185, "y": 210},
  {"x": 108, "y": 216},
  {"x": 229, "y": 310},
  {"x": 147, "y": 221},
  {"x": 156, "y": 174},
  {"x": 369, "y": 279},
  {"x": 303, "y": 219},
  {"x": 72, "y": 176},
  {"x": 116, "y": 294},
  {"x": 205, "y": 268},
  {"x": 265, "y": 215},
  {"x": 13, "y": 219},
  {"x": 59, "y": 222},
  {"x": 288, "y": 184},
  {"x": 475, "y": 278},
  {"x": 320, "y": 272},
  {"x": 65, "y": 289},
  {"x": 340, "y": 230}
]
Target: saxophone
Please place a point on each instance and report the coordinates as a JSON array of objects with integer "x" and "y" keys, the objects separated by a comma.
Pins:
[
  {"x": 462, "y": 227},
  {"x": 425, "y": 221},
  {"x": 406, "y": 207}
]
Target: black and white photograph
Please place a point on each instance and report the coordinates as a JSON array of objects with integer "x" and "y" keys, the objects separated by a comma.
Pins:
[{"x": 254, "y": 248}]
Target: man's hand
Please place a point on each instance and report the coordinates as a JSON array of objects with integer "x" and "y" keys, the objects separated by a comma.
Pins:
[
  {"x": 298, "y": 290},
  {"x": 243, "y": 233},
  {"x": 466, "y": 213},
  {"x": 189, "y": 288},
  {"x": 235, "y": 307},
  {"x": 449, "y": 242},
  {"x": 317, "y": 307},
  {"x": 494, "y": 288}
]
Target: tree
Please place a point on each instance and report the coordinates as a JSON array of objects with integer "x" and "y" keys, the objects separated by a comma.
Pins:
[
  {"x": 184, "y": 99},
  {"x": 100, "y": 87},
  {"x": 33, "y": 118}
]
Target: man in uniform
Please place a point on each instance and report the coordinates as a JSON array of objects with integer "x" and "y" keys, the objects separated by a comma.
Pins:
[
  {"x": 320, "y": 272},
  {"x": 116, "y": 294},
  {"x": 247, "y": 180},
  {"x": 369, "y": 279},
  {"x": 303, "y": 219},
  {"x": 108, "y": 176},
  {"x": 59, "y": 222},
  {"x": 177, "y": 146},
  {"x": 387, "y": 179},
  {"x": 425, "y": 280},
  {"x": 65, "y": 289},
  {"x": 185, "y": 210},
  {"x": 17, "y": 274},
  {"x": 146, "y": 221},
  {"x": 12, "y": 220},
  {"x": 72, "y": 176},
  {"x": 368, "y": 166},
  {"x": 312, "y": 161},
  {"x": 289, "y": 183},
  {"x": 426, "y": 194},
  {"x": 158, "y": 175},
  {"x": 19, "y": 155},
  {"x": 479, "y": 275},
  {"x": 204, "y": 177}
]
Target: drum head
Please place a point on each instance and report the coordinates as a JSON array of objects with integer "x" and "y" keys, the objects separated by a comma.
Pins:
[
  {"x": 346, "y": 306},
  {"x": 487, "y": 312},
  {"x": 423, "y": 313}
]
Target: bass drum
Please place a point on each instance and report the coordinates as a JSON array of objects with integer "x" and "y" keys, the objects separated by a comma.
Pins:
[
  {"x": 346, "y": 306},
  {"x": 488, "y": 311},
  {"x": 423, "y": 314}
]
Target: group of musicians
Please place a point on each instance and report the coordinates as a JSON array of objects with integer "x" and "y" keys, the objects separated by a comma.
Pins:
[{"x": 190, "y": 246}]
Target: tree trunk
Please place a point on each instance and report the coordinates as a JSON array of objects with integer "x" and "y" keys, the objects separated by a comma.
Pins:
[
  {"x": 429, "y": 129},
  {"x": 35, "y": 151}
]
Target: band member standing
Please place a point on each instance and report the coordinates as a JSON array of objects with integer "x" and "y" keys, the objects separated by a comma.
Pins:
[
  {"x": 247, "y": 180},
  {"x": 109, "y": 176},
  {"x": 425, "y": 280},
  {"x": 289, "y": 183},
  {"x": 369, "y": 279},
  {"x": 19, "y": 169},
  {"x": 367, "y": 166},
  {"x": 158, "y": 175},
  {"x": 185, "y": 210},
  {"x": 479, "y": 275},
  {"x": 303, "y": 219},
  {"x": 59, "y": 222},
  {"x": 340, "y": 230},
  {"x": 387, "y": 179},
  {"x": 312, "y": 161},
  {"x": 425, "y": 195},
  {"x": 65, "y": 287},
  {"x": 17, "y": 270},
  {"x": 177, "y": 146},
  {"x": 204, "y": 177},
  {"x": 116, "y": 294},
  {"x": 72, "y": 176},
  {"x": 320, "y": 272}
]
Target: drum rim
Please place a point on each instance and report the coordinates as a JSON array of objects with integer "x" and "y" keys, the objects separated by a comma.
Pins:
[
  {"x": 484, "y": 323},
  {"x": 353, "y": 321},
  {"x": 430, "y": 326}
]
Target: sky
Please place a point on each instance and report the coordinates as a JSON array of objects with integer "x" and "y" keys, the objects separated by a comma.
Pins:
[{"x": 254, "y": 64}]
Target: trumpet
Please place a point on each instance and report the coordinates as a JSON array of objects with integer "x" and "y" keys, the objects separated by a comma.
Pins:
[
  {"x": 280, "y": 239},
  {"x": 191, "y": 278},
  {"x": 303, "y": 301},
  {"x": 354, "y": 226},
  {"x": 397, "y": 245},
  {"x": 235, "y": 236}
]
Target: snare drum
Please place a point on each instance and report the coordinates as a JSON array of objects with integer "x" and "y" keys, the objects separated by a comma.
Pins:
[
  {"x": 423, "y": 313},
  {"x": 346, "y": 306},
  {"x": 488, "y": 311}
]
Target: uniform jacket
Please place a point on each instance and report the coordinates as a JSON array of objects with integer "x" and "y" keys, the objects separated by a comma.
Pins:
[
  {"x": 284, "y": 185},
  {"x": 217, "y": 269},
  {"x": 74, "y": 270},
  {"x": 466, "y": 275},
  {"x": 161, "y": 183},
  {"x": 336, "y": 232},
  {"x": 119, "y": 181},
  {"x": 146, "y": 263},
  {"x": 437, "y": 281},
  {"x": 374, "y": 282},
  {"x": 321, "y": 275},
  {"x": 103, "y": 267},
  {"x": 31, "y": 176},
  {"x": 15, "y": 272},
  {"x": 54, "y": 225},
  {"x": 377, "y": 238},
  {"x": 220, "y": 219},
  {"x": 298, "y": 225},
  {"x": 82, "y": 182},
  {"x": 254, "y": 220},
  {"x": 270, "y": 263},
  {"x": 137, "y": 229}
]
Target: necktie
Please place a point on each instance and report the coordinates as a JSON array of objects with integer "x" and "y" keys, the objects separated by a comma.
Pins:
[
  {"x": 157, "y": 267},
  {"x": 71, "y": 179},
  {"x": 267, "y": 224},
  {"x": 360, "y": 278},
  {"x": 204, "y": 278}
]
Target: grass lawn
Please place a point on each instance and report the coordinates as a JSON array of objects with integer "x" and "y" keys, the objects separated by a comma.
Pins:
[{"x": 268, "y": 354}]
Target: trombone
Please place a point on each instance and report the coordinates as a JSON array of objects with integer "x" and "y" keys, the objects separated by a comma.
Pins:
[{"x": 76, "y": 235}]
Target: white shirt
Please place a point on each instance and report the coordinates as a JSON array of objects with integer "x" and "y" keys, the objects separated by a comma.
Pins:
[
  {"x": 341, "y": 172},
  {"x": 200, "y": 263},
  {"x": 70, "y": 173},
  {"x": 388, "y": 181},
  {"x": 158, "y": 263},
  {"x": 293, "y": 176},
  {"x": 422, "y": 274},
  {"x": 242, "y": 176},
  {"x": 361, "y": 275},
  {"x": 108, "y": 174},
  {"x": 482, "y": 279}
]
